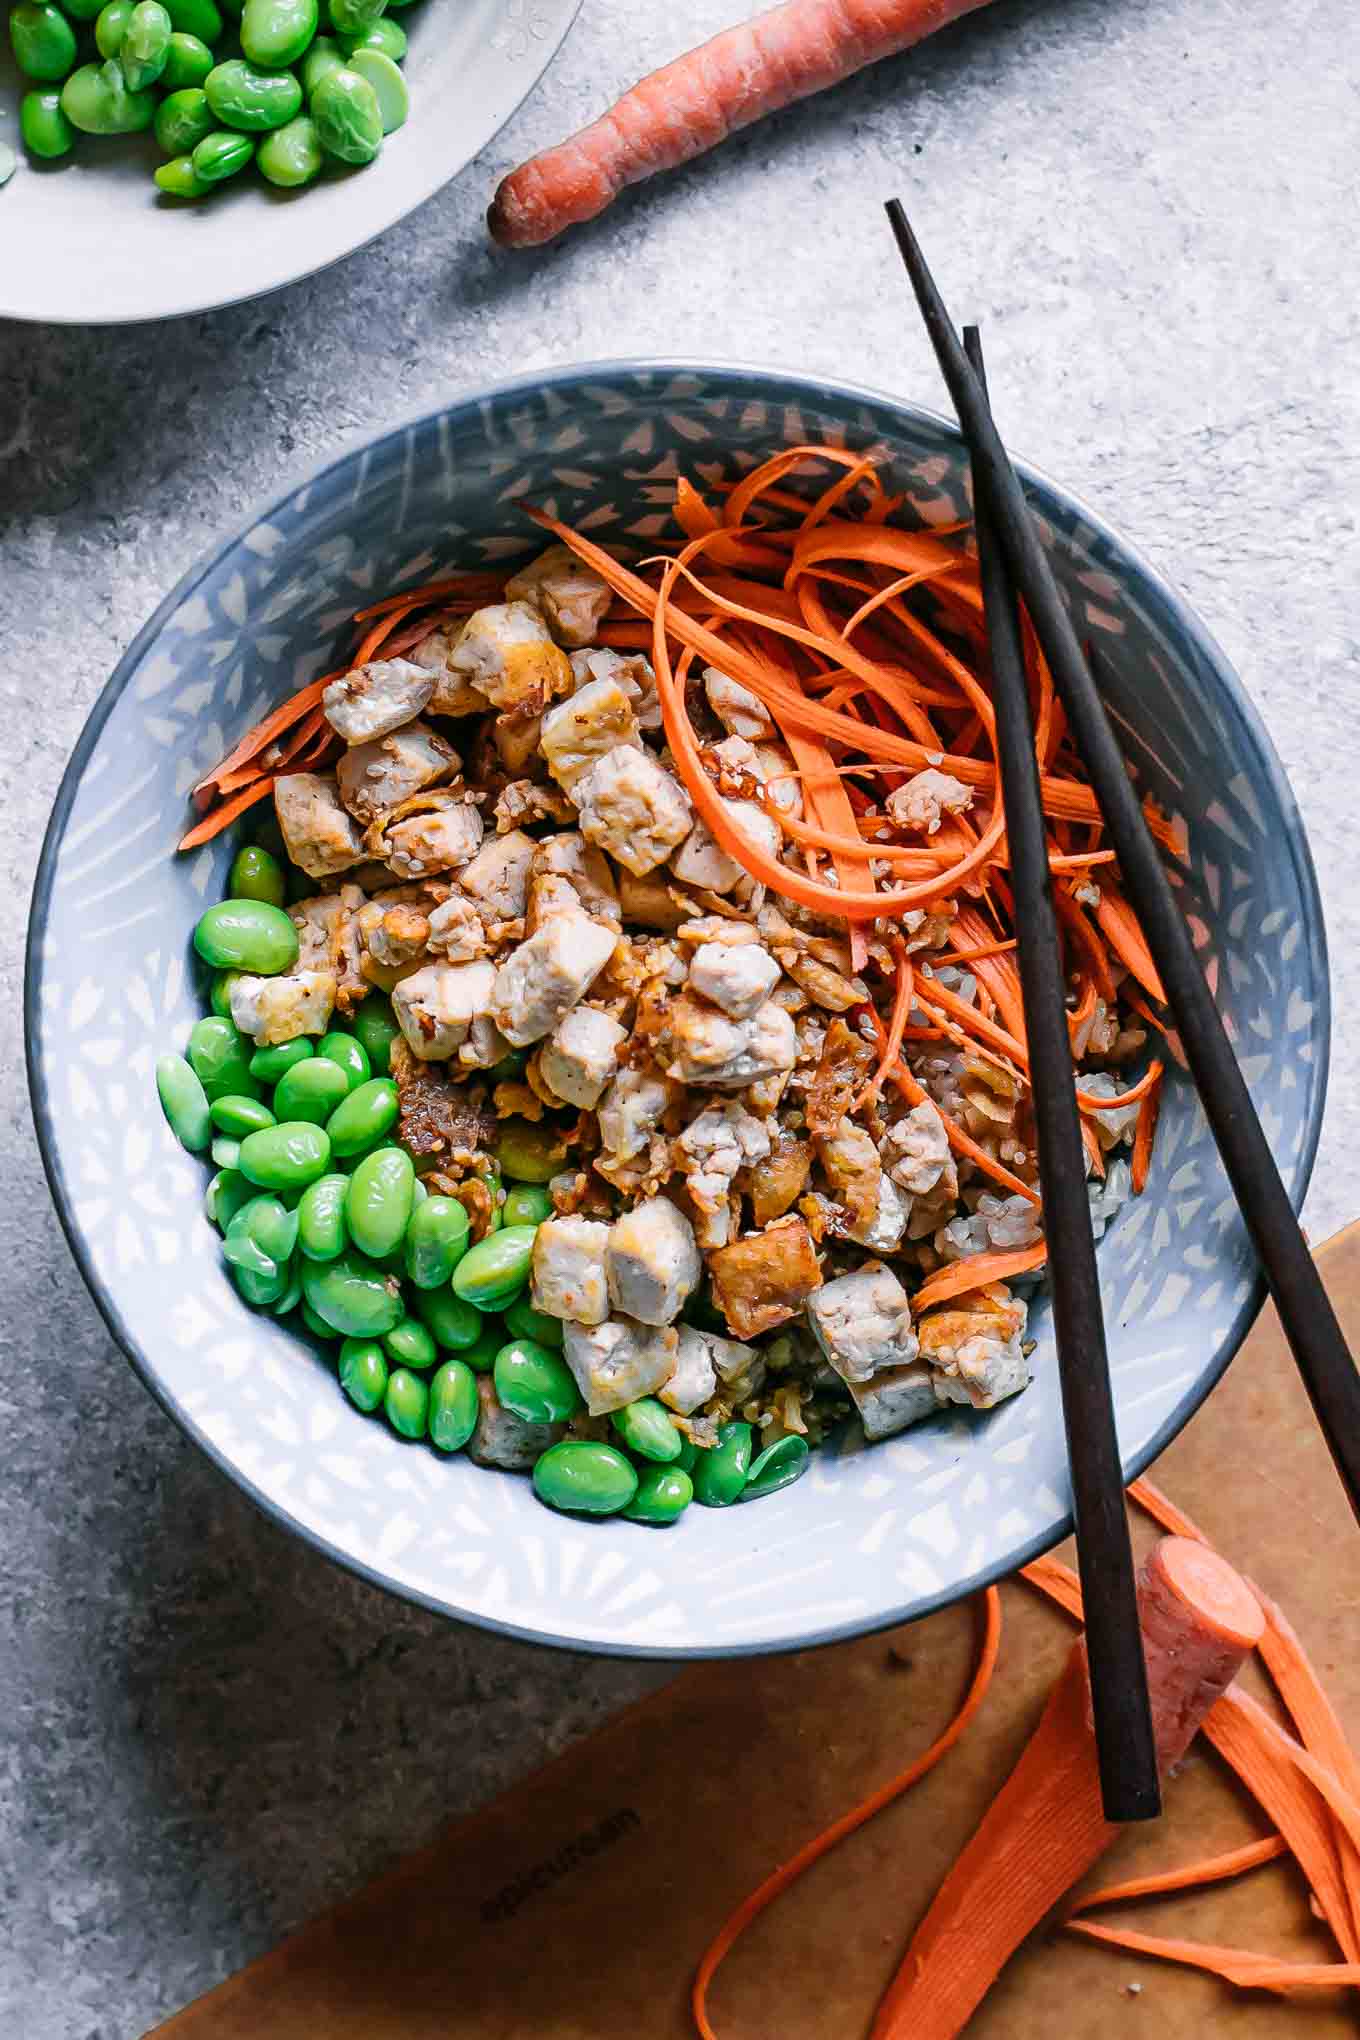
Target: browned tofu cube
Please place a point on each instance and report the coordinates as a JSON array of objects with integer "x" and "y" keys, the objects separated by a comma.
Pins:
[{"x": 765, "y": 1280}]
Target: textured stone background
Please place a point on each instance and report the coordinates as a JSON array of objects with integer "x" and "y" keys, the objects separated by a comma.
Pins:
[{"x": 206, "y": 1733}]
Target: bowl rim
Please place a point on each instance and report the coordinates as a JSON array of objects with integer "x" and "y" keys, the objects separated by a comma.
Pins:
[{"x": 470, "y": 398}]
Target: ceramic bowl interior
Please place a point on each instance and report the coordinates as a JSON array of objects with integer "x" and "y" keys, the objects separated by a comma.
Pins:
[{"x": 868, "y": 1537}]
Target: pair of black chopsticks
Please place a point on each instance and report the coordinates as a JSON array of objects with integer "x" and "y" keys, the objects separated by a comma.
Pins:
[{"x": 1010, "y": 557}]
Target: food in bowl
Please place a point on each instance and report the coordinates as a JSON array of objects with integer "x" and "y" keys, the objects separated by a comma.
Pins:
[{"x": 628, "y": 963}]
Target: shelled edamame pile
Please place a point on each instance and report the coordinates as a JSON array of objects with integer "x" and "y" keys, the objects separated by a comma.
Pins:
[{"x": 287, "y": 85}]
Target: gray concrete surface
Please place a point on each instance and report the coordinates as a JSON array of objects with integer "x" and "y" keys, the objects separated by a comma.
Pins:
[{"x": 205, "y": 1733}]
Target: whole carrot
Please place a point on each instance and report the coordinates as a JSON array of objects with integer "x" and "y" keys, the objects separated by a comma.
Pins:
[{"x": 693, "y": 104}]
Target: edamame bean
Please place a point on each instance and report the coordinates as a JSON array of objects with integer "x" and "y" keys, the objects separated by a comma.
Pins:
[
  {"x": 778, "y": 1466},
  {"x": 663, "y": 1494},
  {"x": 225, "y": 1195},
  {"x": 387, "y": 36},
  {"x": 184, "y": 1102},
  {"x": 255, "y": 875},
  {"x": 455, "y": 1324},
  {"x": 43, "y": 41},
  {"x": 45, "y": 129},
  {"x": 146, "y": 45},
  {"x": 219, "y": 998},
  {"x": 352, "y": 1296},
  {"x": 645, "y": 1428},
  {"x": 491, "y": 1274},
  {"x": 81, "y": 10},
  {"x": 481, "y": 1355},
  {"x": 179, "y": 179},
  {"x": 187, "y": 63},
  {"x": 111, "y": 26},
  {"x": 226, "y": 1151},
  {"x": 218, "y": 1054},
  {"x": 288, "y": 1156},
  {"x": 254, "y": 101},
  {"x": 584, "y": 1479},
  {"x": 527, "y": 1323},
  {"x": 394, "y": 100},
  {"x": 342, "y": 1049},
  {"x": 411, "y": 1345},
  {"x": 239, "y": 1116},
  {"x": 311, "y": 1090},
  {"x": 292, "y": 1295},
  {"x": 378, "y": 1207},
  {"x": 269, "y": 1064},
  {"x": 529, "y": 1153},
  {"x": 535, "y": 1383},
  {"x": 375, "y": 1027},
  {"x": 250, "y": 935},
  {"x": 407, "y": 1401},
  {"x": 261, "y": 1292},
  {"x": 526, "y": 1204},
  {"x": 276, "y": 32},
  {"x": 242, "y": 1252},
  {"x": 96, "y": 100},
  {"x": 318, "y": 1327},
  {"x": 325, "y": 55},
  {"x": 436, "y": 1241},
  {"x": 270, "y": 1224},
  {"x": 322, "y": 1232},
  {"x": 364, "y": 1116},
  {"x": 199, "y": 18},
  {"x": 689, "y": 1453},
  {"x": 453, "y": 1406},
  {"x": 348, "y": 118},
  {"x": 363, "y": 1373},
  {"x": 720, "y": 1473},
  {"x": 351, "y": 17}
]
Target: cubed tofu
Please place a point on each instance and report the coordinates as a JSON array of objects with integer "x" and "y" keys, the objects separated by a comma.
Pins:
[
  {"x": 547, "y": 974},
  {"x": 711, "y": 1150},
  {"x": 568, "y": 855},
  {"x": 569, "y": 1278},
  {"x": 276, "y": 1009},
  {"x": 654, "y": 903},
  {"x": 374, "y": 778},
  {"x": 653, "y": 1262},
  {"x": 916, "y": 1149},
  {"x": 737, "y": 976},
  {"x": 630, "y": 1111},
  {"x": 694, "y": 1379},
  {"x": 376, "y": 699},
  {"x": 453, "y": 694},
  {"x": 456, "y": 931},
  {"x": 894, "y": 1399},
  {"x": 393, "y": 936},
  {"x": 506, "y": 652},
  {"x": 700, "y": 1045},
  {"x": 701, "y": 861},
  {"x": 633, "y": 808},
  {"x": 573, "y": 598},
  {"x": 498, "y": 876},
  {"x": 882, "y": 1232},
  {"x": 319, "y": 833},
  {"x": 862, "y": 1322},
  {"x": 741, "y": 713},
  {"x": 616, "y": 1362},
  {"x": 976, "y": 1353},
  {"x": 596, "y": 719},
  {"x": 764, "y": 1281},
  {"x": 444, "y": 839},
  {"x": 445, "y": 1010},
  {"x": 581, "y": 1056},
  {"x": 502, "y": 1439},
  {"x": 631, "y": 670}
]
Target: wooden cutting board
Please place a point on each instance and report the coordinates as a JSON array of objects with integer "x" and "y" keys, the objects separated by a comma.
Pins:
[{"x": 576, "y": 1906}]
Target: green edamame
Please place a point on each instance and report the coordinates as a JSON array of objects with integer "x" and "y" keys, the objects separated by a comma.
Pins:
[
  {"x": 239, "y": 1116},
  {"x": 364, "y": 1116},
  {"x": 81, "y": 10},
  {"x": 254, "y": 875},
  {"x": 436, "y": 1241},
  {"x": 226, "y": 1151},
  {"x": 389, "y": 87},
  {"x": 310, "y": 1090},
  {"x": 261, "y": 1292},
  {"x": 184, "y": 1102},
  {"x": 202, "y": 19},
  {"x": 179, "y": 179},
  {"x": 529, "y": 1153},
  {"x": 375, "y": 1025},
  {"x": 720, "y": 1473},
  {"x": 363, "y": 1373},
  {"x": 535, "y": 1383},
  {"x": 292, "y": 1295},
  {"x": 275, "y": 33},
  {"x": 378, "y": 1207},
  {"x": 481, "y": 1354},
  {"x": 96, "y": 100},
  {"x": 111, "y": 26},
  {"x": 187, "y": 63},
  {"x": 288, "y": 1156},
  {"x": 146, "y": 45},
  {"x": 318, "y": 1327},
  {"x": 347, "y": 115},
  {"x": 225, "y": 1195},
  {"x": 324, "y": 56},
  {"x": 45, "y": 129},
  {"x": 43, "y": 41},
  {"x": 455, "y": 1324},
  {"x": 343, "y": 1050},
  {"x": 778, "y": 1466},
  {"x": 352, "y": 1296},
  {"x": 407, "y": 1401},
  {"x": 255, "y": 101},
  {"x": 453, "y": 1406},
  {"x": 663, "y": 1495},
  {"x": 219, "y": 998},
  {"x": 526, "y": 1204},
  {"x": 584, "y": 1479},
  {"x": 251, "y": 935},
  {"x": 411, "y": 1345},
  {"x": 527, "y": 1323},
  {"x": 645, "y": 1428},
  {"x": 491, "y": 1274},
  {"x": 270, "y": 1224},
  {"x": 322, "y": 1232},
  {"x": 383, "y": 34},
  {"x": 220, "y": 1058},
  {"x": 351, "y": 17},
  {"x": 269, "y": 1064},
  {"x": 290, "y": 157},
  {"x": 689, "y": 1453},
  {"x": 247, "y": 1254}
]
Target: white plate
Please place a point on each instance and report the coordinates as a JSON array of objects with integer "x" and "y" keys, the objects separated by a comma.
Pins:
[{"x": 90, "y": 240}]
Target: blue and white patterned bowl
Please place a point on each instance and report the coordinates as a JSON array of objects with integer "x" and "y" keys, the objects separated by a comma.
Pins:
[{"x": 869, "y": 1537}]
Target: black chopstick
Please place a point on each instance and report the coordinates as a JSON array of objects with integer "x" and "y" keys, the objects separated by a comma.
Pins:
[
  {"x": 1329, "y": 1374},
  {"x": 1121, "y": 1714}
]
